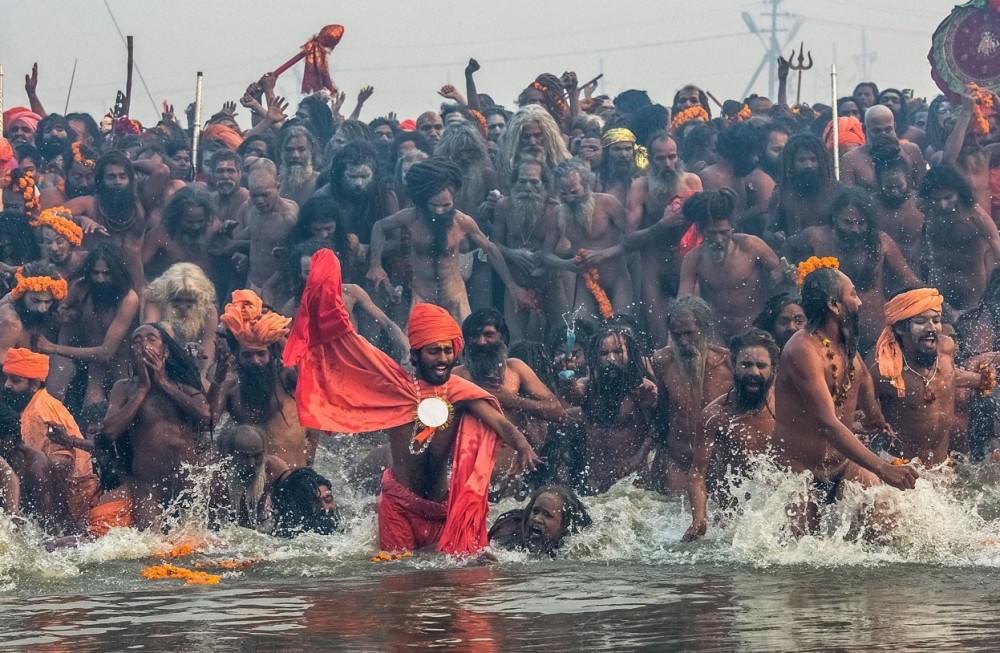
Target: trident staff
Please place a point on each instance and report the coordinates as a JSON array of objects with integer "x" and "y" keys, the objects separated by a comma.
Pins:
[{"x": 800, "y": 66}]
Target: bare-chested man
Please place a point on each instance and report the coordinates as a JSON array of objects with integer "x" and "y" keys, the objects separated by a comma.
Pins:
[
  {"x": 619, "y": 410},
  {"x": 962, "y": 240},
  {"x": 916, "y": 379},
  {"x": 78, "y": 178},
  {"x": 185, "y": 235},
  {"x": 869, "y": 257},
  {"x": 618, "y": 163},
  {"x": 739, "y": 150},
  {"x": 298, "y": 152},
  {"x": 98, "y": 315},
  {"x": 654, "y": 204},
  {"x": 964, "y": 149},
  {"x": 265, "y": 222},
  {"x": 37, "y": 494},
  {"x": 241, "y": 493},
  {"x": 532, "y": 133},
  {"x": 588, "y": 221},
  {"x": 806, "y": 188},
  {"x": 227, "y": 195},
  {"x": 437, "y": 232},
  {"x": 163, "y": 411},
  {"x": 255, "y": 391},
  {"x": 880, "y": 129},
  {"x": 735, "y": 427},
  {"x": 691, "y": 372},
  {"x": 820, "y": 384},
  {"x": 896, "y": 210},
  {"x": 520, "y": 225},
  {"x": 526, "y": 401},
  {"x": 60, "y": 241},
  {"x": 28, "y": 311},
  {"x": 734, "y": 273}
]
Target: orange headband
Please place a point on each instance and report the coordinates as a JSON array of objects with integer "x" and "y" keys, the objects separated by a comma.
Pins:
[
  {"x": 58, "y": 287},
  {"x": 58, "y": 220}
]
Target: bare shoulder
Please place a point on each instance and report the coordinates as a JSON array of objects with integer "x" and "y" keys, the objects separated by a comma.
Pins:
[
  {"x": 662, "y": 359},
  {"x": 608, "y": 202},
  {"x": 911, "y": 150},
  {"x": 81, "y": 205},
  {"x": 289, "y": 208},
  {"x": 693, "y": 182},
  {"x": 718, "y": 356},
  {"x": 465, "y": 222},
  {"x": 8, "y": 315}
]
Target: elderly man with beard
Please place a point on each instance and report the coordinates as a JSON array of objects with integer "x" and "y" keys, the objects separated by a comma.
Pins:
[
  {"x": 265, "y": 222},
  {"x": 186, "y": 234},
  {"x": 532, "y": 133},
  {"x": 820, "y": 385},
  {"x": 98, "y": 313},
  {"x": 589, "y": 223},
  {"x": 805, "y": 190},
  {"x": 526, "y": 401},
  {"x": 964, "y": 149},
  {"x": 916, "y": 380},
  {"x": 28, "y": 311},
  {"x": 255, "y": 392},
  {"x": 78, "y": 177},
  {"x": 520, "y": 225},
  {"x": 735, "y": 427},
  {"x": 619, "y": 162},
  {"x": 297, "y": 151},
  {"x": 880, "y": 129},
  {"x": 24, "y": 390},
  {"x": 732, "y": 272},
  {"x": 346, "y": 385},
  {"x": 184, "y": 301},
  {"x": 896, "y": 210},
  {"x": 739, "y": 150},
  {"x": 20, "y": 125},
  {"x": 242, "y": 489},
  {"x": 114, "y": 212},
  {"x": 653, "y": 205},
  {"x": 227, "y": 196},
  {"x": 163, "y": 411},
  {"x": 618, "y": 411},
  {"x": 690, "y": 373},
  {"x": 437, "y": 232},
  {"x": 869, "y": 257}
]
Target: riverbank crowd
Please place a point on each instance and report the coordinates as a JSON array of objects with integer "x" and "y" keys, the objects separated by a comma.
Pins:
[{"x": 536, "y": 301}]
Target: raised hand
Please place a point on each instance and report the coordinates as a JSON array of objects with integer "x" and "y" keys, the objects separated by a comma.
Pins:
[
  {"x": 473, "y": 67},
  {"x": 31, "y": 81},
  {"x": 365, "y": 93},
  {"x": 448, "y": 91},
  {"x": 276, "y": 110},
  {"x": 229, "y": 107},
  {"x": 783, "y": 68},
  {"x": 569, "y": 81}
]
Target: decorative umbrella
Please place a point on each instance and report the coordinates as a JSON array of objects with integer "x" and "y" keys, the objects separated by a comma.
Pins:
[{"x": 965, "y": 49}]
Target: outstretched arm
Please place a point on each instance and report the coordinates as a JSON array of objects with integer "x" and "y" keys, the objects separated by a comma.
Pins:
[
  {"x": 526, "y": 459},
  {"x": 113, "y": 337},
  {"x": 703, "y": 448},
  {"x": 364, "y": 301},
  {"x": 376, "y": 274}
]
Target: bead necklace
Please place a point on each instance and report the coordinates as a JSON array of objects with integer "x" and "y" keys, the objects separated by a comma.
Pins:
[
  {"x": 929, "y": 395},
  {"x": 839, "y": 392}
]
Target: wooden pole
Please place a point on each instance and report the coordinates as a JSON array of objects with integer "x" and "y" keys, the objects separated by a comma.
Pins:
[
  {"x": 70, "y": 91},
  {"x": 128, "y": 78}
]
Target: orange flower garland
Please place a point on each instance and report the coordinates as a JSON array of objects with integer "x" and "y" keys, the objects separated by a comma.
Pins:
[
  {"x": 58, "y": 287},
  {"x": 389, "y": 557},
  {"x": 78, "y": 157},
  {"x": 744, "y": 113},
  {"x": 163, "y": 572},
  {"x": 480, "y": 121},
  {"x": 691, "y": 113},
  {"x": 988, "y": 379},
  {"x": 59, "y": 220},
  {"x": 982, "y": 109},
  {"x": 592, "y": 280},
  {"x": 25, "y": 185},
  {"x": 814, "y": 263}
]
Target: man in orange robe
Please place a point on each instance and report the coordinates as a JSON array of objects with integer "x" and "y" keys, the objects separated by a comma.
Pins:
[{"x": 346, "y": 385}]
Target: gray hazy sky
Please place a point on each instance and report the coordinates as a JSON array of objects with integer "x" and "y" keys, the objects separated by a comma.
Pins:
[{"x": 407, "y": 50}]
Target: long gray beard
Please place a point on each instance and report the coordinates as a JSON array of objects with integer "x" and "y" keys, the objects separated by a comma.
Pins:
[
  {"x": 294, "y": 177},
  {"x": 250, "y": 495},
  {"x": 663, "y": 183},
  {"x": 187, "y": 329},
  {"x": 691, "y": 364},
  {"x": 527, "y": 211},
  {"x": 581, "y": 214}
]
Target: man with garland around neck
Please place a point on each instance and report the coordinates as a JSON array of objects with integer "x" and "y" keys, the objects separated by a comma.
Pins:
[
  {"x": 821, "y": 382},
  {"x": 419, "y": 505}
]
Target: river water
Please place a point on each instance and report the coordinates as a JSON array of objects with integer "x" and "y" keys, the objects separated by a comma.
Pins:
[{"x": 626, "y": 584}]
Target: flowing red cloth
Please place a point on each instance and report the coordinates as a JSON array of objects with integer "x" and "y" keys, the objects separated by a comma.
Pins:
[
  {"x": 407, "y": 522},
  {"x": 346, "y": 385}
]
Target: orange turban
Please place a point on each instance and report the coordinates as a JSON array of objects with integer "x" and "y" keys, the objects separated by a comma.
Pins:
[
  {"x": 26, "y": 364},
  {"x": 249, "y": 325},
  {"x": 850, "y": 132},
  {"x": 430, "y": 324},
  {"x": 6, "y": 152},
  {"x": 224, "y": 134},
  {"x": 888, "y": 354},
  {"x": 21, "y": 114}
]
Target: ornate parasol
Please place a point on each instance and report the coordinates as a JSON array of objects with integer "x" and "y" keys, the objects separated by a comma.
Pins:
[
  {"x": 965, "y": 48},
  {"x": 317, "y": 73}
]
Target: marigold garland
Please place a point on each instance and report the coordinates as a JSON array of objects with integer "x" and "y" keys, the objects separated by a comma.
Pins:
[
  {"x": 744, "y": 113},
  {"x": 691, "y": 113},
  {"x": 592, "y": 280},
  {"x": 982, "y": 108},
  {"x": 382, "y": 556},
  {"x": 554, "y": 97},
  {"x": 25, "y": 185},
  {"x": 165, "y": 571},
  {"x": 988, "y": 379},
  {"x": 814, "y": 263},
  {"x": 78, "y": 156},
  {"x": 480, "y": 121},
  {"x": 59, "y": 219},
  {"x": 58, "y": 287}
]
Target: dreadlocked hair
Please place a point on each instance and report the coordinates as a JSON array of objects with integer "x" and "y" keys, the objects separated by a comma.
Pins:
[
  {"x": 428, "y": 178},
  {"x": 293, "y": 500},
  {"x": 179, "y": 366},
  {"x": 23, "y": 246},
  {"x": 574, "y": 514},
  {"x": 509, "y": 144},
  {"x": 605, "y": 406},
  {"x": 710, "y": 206}
]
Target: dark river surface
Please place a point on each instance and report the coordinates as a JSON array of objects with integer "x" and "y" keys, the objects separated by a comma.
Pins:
[{"x": 626, "y": 584}]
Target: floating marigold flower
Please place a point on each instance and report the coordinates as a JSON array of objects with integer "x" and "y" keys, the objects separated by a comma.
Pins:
[
  {"x": 382, "y": 556},
  {"x": 164, "y": 572}
]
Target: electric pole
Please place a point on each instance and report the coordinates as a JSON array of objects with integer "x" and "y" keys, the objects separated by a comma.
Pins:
[
  {"x": 866, "y": 59},
  {"x": 773, "y": 49}
]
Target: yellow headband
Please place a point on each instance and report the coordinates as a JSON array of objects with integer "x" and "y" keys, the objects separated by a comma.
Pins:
[{"x": 617, "y": 135}]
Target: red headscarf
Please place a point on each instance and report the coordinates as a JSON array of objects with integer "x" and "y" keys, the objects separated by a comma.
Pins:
[
  {"x": 430, "y": 324},
  {"x": 21, "y": 114},
  {"x": 850, "y": 132}
]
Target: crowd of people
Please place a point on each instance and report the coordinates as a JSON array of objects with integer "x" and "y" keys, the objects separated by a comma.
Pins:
[{"x": 613, "y": 287}]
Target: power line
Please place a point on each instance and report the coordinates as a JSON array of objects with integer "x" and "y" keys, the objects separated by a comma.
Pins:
[{"x": 156, "y": 109}]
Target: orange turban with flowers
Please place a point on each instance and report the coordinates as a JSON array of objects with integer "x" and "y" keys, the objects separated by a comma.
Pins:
[
  {"x": 252, "y": 328},
  {"x": 888, "y": 354},
  {"x": 224, "y": 134},
  {"x": 430, "y": 324},
  {"x": 26, "y": 364}
]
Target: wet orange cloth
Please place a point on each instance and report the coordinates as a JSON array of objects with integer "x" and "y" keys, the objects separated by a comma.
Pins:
[
  {"x": 346, "y": 385},
  {"x": 888, "y": 354},
  {"x": 103, "y": 517},
  {"x": 26, "y": 364},
  {"x": 249, "y": 325},
  {"x": 407, "y": 522},
  {"x": 82, "y": 484},
  {"x": 224, "y": 134},
  {"x": 849, "y": 132},
  {"x": 429, "y": 324}
]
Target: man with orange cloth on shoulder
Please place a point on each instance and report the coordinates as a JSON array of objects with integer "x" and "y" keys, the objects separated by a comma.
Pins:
[{"x": 346, "y": 385}]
